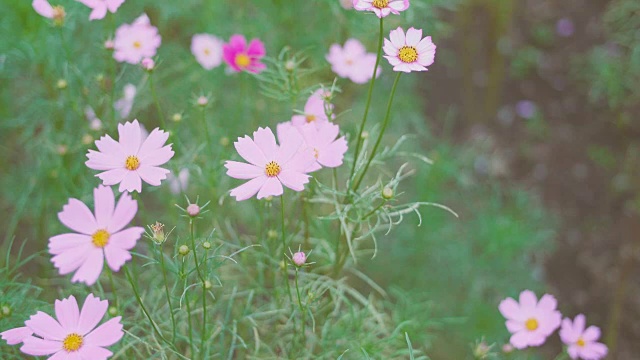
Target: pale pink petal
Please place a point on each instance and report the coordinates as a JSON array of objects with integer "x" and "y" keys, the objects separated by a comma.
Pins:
[
  {"x": 240, "y": 170},
  {"x": 63, "y": 355},
  {"x": 125, "y": 210},
  {"x": 152, "y": 143},
  {"x": 271, "y": 187},
  {"x": 76, "y": 216},
  {"x": 106, "y": 334},
  {"x": 131, "y": 182},
  {"x": 284, "y": 127},
  {"x": 354, "y": 47},
  {"x": 510, "y": 309},
  {"x": 413, "y": 36},
  {"x": 397, "y": 38},
  {"x": 332, "y": 155},
  {"x": 152, "y": 175},
  {"x": 63, "y": 242},
  {"x": 402, "y": 67},
  {"x": 520, "y": 340},
  {"x": 390, "y": 49},
  {"x": 596, "y": 351},
  {"x": 266, "y": 142},
  {"x": 399, "y": 5},
  {"x": 45, "y": 326},
  {"x": 99, "y": 12},
  {"x": 116, "y": 257},
  {"x": 91, "y": 352},
  {"x": 16, "y": 336},
  {"x": 43, "y": 8},
  {"x": 68, "y": 313},
  {"x": 71, "y": 259},
  {"x": 248, "y": 189},
  {"x": 92, "y": 312},
  {"x": 293, "y": 180},
  {"x": 113, "y": 177},
  {"x": 159, "y": 157},
  {"x": 289, "y": 146},
  {"x": 104, "y": 161},
  {"x": 126, "y": 239},
  {"x": 567, "y": 334},
  {"x": 301, "y": 161},
  {"x": 514, "y": 326},
  {"x": 130, "y": 137},
  {"x": 536, "y": 338},
  {"x": 113, "y": 5},
  {"x": 106, "y": 144},
  {"x": 547, "y": 303},
  {"x": 104, "y": 205},
  {"x": 528, "y": 300},
  {"x": 591, "y": 334},
  {"x": 249, "y": 151},
  {"x": 90, "y": 270},
  {"x": 579, "y": 323},
  {"x": 39, "y": 347},
  {"x": 573, "y": 351}
]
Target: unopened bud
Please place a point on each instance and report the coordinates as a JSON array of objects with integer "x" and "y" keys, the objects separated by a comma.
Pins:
[
  {"x": 481, "y": 350},
  {"x": 148, "y": 64},
  {"x": 299, "y": 258},
  {"x": 193, "y": 210},
  {"x": 272, "y": 234},
  {"x": 206, "y": 245},
  {"x": 109, "y": 44},
  {"x": 6, "y": 310},
  {"x": 177, "y": 117},
  {"x": 158, "y": 233},
  {"x": 269, "y": 198},
  {"x": 183, "y": 250},
  {"x": 387, "y": 193},
  {"x": 62, "y": 84},
  {"x": 365, "y": 134},
  {"x": 62, "y": 149},
  {"x": 224, "y": 141},
  {"x": 207, "y": 284},
  {"x": 507, "y": 348},
  {"x": 202, "y": 101},
  {"x": 113, "y": 311},
  {"x": 87, "y": 139},
  {"x": 289, "y": 65}
]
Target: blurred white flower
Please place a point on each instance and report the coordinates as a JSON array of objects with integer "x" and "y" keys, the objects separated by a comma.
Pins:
[{"x": 123, "y": 106}]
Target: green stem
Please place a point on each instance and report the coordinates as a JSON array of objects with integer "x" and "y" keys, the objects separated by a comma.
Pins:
[
  {"x": 113, "y": 285},
  {"x": 367, "y": 105},
  {"x": 284, "y": 250},
  {"x": 204, "y": 289},
  {"x": 385, "y": 123},
  {"x": 157, "y": 102},
  {"x": 188, "y": 305},
  {"x": 166, "y": 288},
  {"x": 302, "y": 312},
  {"x": 205, "y": 128},
  {"x": 144, "y": 309}
]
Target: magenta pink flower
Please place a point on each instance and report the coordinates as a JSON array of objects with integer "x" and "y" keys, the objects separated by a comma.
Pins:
[
  {"x": 313, "y": 110},
  {"x": 411, "y": 52},
  {"x": 321, "y": 140},
  {"x": 100, "y": 7},
  {"x": 241, "y": 57},
  {"x": 530, "y": 322},
  {"x": 96, "y": 237},
  {"x": 207, "y": 49},
  {"x": 270, "y": 165},
  {"x": 381, "y": 8},
  {"x": 352, "y": 61},
  {"x": 73, "y": 336},
  {"x": 135, "y": 41},
  {"x": 132, "y": 158},
  {"x": 582, "y": 344}
]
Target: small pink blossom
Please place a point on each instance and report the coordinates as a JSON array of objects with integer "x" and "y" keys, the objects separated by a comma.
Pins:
[
  {"x": 96, "y": 236},
  {"x": 313, "y": 110},
  {"x": 411, "y": 52},
  {"x": 148, "y": 64},
  {"x": 100, "y": 7},
  {"x": 135, "y": 41},
  {"x": 207, "y": 49},
  {"x": 193, "y": 210},
  {"x": 270, "y": 165},
  {"x": 241, "y": 57},
  {"x": 582, "y": 343},
  {"x": 321, "y": 140},
  {"x": 299, "y": 258},
  {"x": 352, "y": 61},
  {"x": 73, "y": 335},
  {"x": 381, "y": 8},
  {"x": 131, "y": 159},
  {"x": 531, "y": 321}
]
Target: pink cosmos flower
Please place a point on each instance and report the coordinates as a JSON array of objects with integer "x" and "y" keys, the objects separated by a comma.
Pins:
[
  {"x": 321, "y": 140},
  {"x": 531, "y": 321},
  {"x": 73, "y": 336},
  {"x": 131, "y": 159},
  {"x": 207, "y": 49},
  {"x": 582, "y": 343},
  {"x": 241, "y": 57},
  {"x": 313, "y": 110},
  {"x": 96, "y": 237},
  {"x": 411, "y": 52},
  {"x": 135, "y": 41},
  {"x": 352, "y": 61},
  {"x": 270, "y": 165},
  {"x": 100, "y": 7},
  {"x": 381, "y": 8}
]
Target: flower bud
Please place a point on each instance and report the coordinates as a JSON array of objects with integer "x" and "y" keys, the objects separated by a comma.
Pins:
[
  {"x": 290, "y": 65},
  {"x": 183, "y": 250},
  {"x": 62, "y": 84},
  {"x": 193, "y": 210},
  {"x": 62, "y": 149},
  {"x": 387, "y": 193},
  {"x": 177, "y": 117},
  {"x": 272, "y": 234},
  {"x": 6, "y": 310},
  {"x": 299, "y": 258},
  {"x": 58, "y": 15},
  {"x": 87, "y": 139},
  {"x": 158, "y": 233},
  {"x": 224, "y": 141},
  {"x": 113, "y": 311},
  {"x": 109, "y": 44},
  {"x": 207, "y": 284},
  {"x": 365, "y": 134},
  {"x": 507, "y": 348},
  {"x": 206, "y": 245},
  {"x": 481, "y": 350},
  {"x": 148, "y": 64},
  {"x": 202, "y": 101}
]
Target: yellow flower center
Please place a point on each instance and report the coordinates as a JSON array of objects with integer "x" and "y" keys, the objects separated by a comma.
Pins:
[
  {"x": 137, "y": 44},
  {"x": 100, "y": 239},
  {"x": 408, "y": 54},
  {"x": 58, "y": 14},
  {"x": 581, "y": 342},
  {"x": 531, "y": 324},
  {"x": 206, "y": 51},
  {"x": 132, "y": 163},
  {"x": 72, "y": 342},
  {"x": 272, "y": 169},
  {"x": 380, "y": 4},
  {"x": 310, "y": 118},
  {"x": 242, "y": 60}
]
